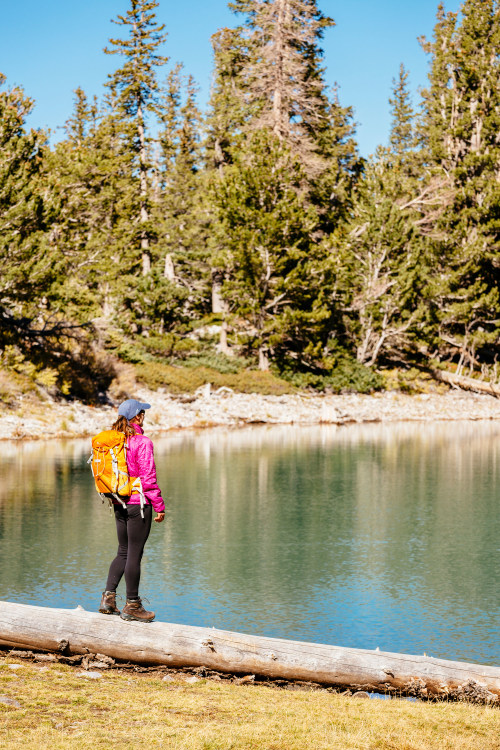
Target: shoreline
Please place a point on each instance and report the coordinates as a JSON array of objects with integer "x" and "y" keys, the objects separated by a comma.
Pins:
[{"x": 208, "y": 408}]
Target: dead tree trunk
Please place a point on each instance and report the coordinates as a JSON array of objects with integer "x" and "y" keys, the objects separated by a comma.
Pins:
[
  {"x": 467, "y": 384},
  {"x": 80, "y": 632}
]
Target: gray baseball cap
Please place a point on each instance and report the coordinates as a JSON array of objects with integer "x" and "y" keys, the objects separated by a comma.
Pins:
[{"x": 131, "y": 408}]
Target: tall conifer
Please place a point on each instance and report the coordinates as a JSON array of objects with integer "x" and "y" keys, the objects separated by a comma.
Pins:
[
  {"x": 460, "y": 130},
  {"x": 136, "y": 87},
  {"x": 283, "y": 74},
  {"x": 179, "y": 213},
  {"x": 272, "y": 70},
  {"x": 402, "y": 136},
  {"x": 88, "y": 180},
  {"x": 382, "y": 249},
  {"x": 227, "y": 109},
  {"x": 276, "y": 285},
  {"x": 381, "y": 253},
  {"x": 27, "y": 261}
]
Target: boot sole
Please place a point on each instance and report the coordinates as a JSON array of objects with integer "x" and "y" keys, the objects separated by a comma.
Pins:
[
  {"x": 107, "y": 612},
  {"x": 131, "y": 618}
]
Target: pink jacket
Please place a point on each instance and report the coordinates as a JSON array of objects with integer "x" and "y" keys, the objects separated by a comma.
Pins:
[{"x": 141, "y": 463}]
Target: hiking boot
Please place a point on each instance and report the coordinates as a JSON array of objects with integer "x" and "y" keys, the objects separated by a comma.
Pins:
[
  {"x": 133, "y": 610},
  {"x": 108, "y": 603}
]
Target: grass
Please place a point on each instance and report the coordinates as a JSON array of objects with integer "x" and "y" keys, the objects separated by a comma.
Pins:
[
  {"x": 188, "y": 379},
  {"x": 60, "y": 709}
]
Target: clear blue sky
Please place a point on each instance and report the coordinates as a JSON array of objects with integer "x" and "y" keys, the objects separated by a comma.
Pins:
[{"x": 52, "y": 46}]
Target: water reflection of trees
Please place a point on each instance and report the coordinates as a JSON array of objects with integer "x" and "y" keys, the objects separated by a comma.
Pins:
[
  {"x": 427, "y": 511},
  {"x": 410, "y": 509}
]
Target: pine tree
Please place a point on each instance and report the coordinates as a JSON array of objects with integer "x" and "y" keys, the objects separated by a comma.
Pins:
[
  {"x": 381, "y": 255},
  {"x": 382, "y": 248},
  {"x": 86, "y": 182},
  {"x": 224, "y": 123},
  {"x": 275, "y": 282},
  {"x": 136, "y": 86},
  {"x": 271, "y": 70},
  {"x": 27, "y": 272},
  {"x": 283, "y": 77},
  {"x": 182, "y": 218},
  {"x": 227, "y": 110},
  {"x": 269, "y": 74},
  {"x": 176, "y": 289},
  {"x": 77, "y": 125},
  {"x": 331, "y": 189},
  {"x": 460, "y": 131},
  {"x": 39, "y": 337},
  {"x": 402, "y": 137}
]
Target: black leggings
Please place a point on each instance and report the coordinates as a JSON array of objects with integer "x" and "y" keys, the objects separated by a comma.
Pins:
[{"x": 133, "y": 531}]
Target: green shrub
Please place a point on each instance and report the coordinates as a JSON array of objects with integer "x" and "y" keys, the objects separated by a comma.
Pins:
[
  {"x": 160, "y": 346},
  {"x": 352, "y": 377},
  {"x": 304, "y": 380},
  {"x": 170, "y": 345},
  {"x": 47, "y": 377},
  {"x": 217, "y": 361},
  {"x": 130, "y": 353},
  {"x": 347, "y": 376},
  {"x": 255, "y": 381},
  {"x": 112, "y": 339},
  {"x": 14, "y": 359},
  {"x": 411, "y": 381}
]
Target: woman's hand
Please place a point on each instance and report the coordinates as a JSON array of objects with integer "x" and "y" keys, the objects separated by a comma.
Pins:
[{"x": 160, "y": 517}]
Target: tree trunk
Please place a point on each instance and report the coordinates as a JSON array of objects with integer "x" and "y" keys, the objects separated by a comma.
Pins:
[
  {"x": 169, "y": 270},
  {"x": 277, "y": 117},
  {"x": 263, "y": 360},
  {"x": 219, "y": 304},
  {"x": 143, "y": 187},
  {"x": 223, "y": 345},
  {"x": 80, "y": 632}
]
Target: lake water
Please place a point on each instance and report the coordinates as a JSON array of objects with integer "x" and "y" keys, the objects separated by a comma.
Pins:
[{"x": 363, "y": 536}]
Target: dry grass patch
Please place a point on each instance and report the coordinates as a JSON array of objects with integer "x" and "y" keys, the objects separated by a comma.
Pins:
[
  {"x": 60, "y": 709},
  {"x": 187, "y": 379}
]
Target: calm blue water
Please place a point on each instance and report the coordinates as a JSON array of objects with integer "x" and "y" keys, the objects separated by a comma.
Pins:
[{"x": 370, "y": 536}]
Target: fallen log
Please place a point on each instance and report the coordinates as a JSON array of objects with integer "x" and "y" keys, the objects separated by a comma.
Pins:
[
  {"x": 466, "y": 384},
  {"x": 159, "y": 643}
]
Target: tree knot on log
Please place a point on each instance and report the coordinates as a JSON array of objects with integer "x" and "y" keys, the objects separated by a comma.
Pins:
[
  {"x": 63, "y": 646},
  {"x": 208, "y": 643},
  {"x": 273, "y": 657}
]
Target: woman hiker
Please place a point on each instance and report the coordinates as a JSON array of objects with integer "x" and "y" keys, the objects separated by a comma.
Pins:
[{"x": 133, "y": 527}]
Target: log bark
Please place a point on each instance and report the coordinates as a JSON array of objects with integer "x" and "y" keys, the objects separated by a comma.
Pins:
[{"x": 176, "y": 646}]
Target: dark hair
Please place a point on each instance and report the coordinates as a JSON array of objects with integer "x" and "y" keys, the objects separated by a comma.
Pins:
[{"x": 122, "y": 425}]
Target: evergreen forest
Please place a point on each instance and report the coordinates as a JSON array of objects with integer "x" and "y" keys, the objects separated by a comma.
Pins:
[{"x": 251, "y": 239}]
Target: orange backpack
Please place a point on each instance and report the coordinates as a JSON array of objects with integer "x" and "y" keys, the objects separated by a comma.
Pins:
[{"x": 109, "y": 467}]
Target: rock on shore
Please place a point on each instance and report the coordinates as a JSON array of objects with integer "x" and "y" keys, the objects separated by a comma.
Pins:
[{"x": 223, "y": 407}]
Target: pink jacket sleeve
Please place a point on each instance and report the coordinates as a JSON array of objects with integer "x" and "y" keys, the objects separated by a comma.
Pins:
[{"x": 146, "y": 470}]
